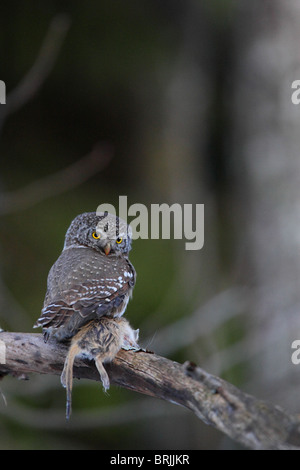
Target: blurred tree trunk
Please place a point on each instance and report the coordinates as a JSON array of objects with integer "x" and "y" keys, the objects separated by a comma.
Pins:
[
  {"x": 177, "y": 144},
  {"x": 266, "y": 159},
  {"x": 175, "y": 149}
]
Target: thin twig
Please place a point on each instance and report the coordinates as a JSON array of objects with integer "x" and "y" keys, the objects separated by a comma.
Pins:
[
  {"x": 57, "y": 183},
  {"x": 35, "y": 77},
  {"x": 201, "y": 323}
]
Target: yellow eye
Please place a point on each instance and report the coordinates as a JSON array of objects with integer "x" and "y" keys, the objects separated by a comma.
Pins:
[
  {"x": 95, "y": 235},
  {"x": 119, "y": 240}
]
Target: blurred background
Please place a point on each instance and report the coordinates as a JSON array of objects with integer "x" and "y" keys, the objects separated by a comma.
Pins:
[{"x": 164, "y": 101}]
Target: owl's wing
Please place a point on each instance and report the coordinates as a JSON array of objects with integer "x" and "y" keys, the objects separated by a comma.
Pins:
[{"x": 85, "y": 302}]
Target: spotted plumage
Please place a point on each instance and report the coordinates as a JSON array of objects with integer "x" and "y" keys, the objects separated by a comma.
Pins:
[{"x": 92, "y": 277}]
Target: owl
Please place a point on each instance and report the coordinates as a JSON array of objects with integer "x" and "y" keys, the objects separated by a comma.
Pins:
[
  {"x": 98, "y": 340},
  {"x": 92, "y": 277}
]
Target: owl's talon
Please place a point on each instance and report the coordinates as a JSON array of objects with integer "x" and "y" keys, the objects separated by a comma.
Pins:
[{"x": 46, "y": 335}]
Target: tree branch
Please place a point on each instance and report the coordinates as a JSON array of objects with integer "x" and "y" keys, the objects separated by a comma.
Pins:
[
  {"x": 247, "y": 420},
  {"x": 57, "y": 183},
  {"x": 35, "y": 77}
]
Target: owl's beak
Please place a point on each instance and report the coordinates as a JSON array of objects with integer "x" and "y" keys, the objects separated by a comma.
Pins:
[{"x": 107, "y": 249}]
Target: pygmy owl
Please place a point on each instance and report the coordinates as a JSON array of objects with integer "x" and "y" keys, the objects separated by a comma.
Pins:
[
  {"x": 91, "y": 278},
  {"x": 98, "y": 340}
]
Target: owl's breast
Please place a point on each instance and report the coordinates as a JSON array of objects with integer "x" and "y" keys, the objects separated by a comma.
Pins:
[{"x": 77, "y": 266}]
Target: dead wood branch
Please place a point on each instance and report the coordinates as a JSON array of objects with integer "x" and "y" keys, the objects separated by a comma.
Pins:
[{"x": 247, "y": 420}]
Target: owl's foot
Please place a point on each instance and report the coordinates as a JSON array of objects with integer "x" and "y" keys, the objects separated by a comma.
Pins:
[
  {"x": 59, "y": 334},
  {"x": 62, "y": 334},
  {"x": 47, "y": 334}
]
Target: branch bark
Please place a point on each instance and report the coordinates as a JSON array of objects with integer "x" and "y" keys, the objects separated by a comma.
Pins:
[{"x": 254, "y": 423}]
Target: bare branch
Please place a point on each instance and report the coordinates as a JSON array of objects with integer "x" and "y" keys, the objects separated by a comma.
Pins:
[
  {"x": 42, "y": 66},
  {"x": 249, "y": 421},
  {"x": 201, "y": 323},
  {"x": 57, "y": 183}
]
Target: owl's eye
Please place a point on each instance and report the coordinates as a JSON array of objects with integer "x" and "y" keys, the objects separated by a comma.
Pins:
[
  {"x": 119, "y": 240},
  {"x": 95, "y": 235}
]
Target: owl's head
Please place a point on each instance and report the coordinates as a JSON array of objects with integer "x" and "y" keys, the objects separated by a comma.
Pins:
[{"x": 105, "y": 233}]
